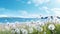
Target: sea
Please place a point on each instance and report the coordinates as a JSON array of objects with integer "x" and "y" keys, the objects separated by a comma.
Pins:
[{"x": 18, "y": 19}]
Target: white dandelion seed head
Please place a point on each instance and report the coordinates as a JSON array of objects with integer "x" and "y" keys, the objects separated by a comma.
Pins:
[
  {"x": 6, "y": 27},
  {"x": 30, "y": 30},
  {"x": 44, "y": 32},
  {"x": 3, "y": 29},
  {"x": 17, "y": 31},
  {"x": 40, "y": 29},
  {"x": 29, "y": 25},
  {"x": 23, "y": 26},
  {"x": 12, "y": 31},
  {"x": 14, "y": 26},
  {"x": 24, "y": 31},
  {"x": 40, "y": 23},
  {"x": 51, "y": 27}
]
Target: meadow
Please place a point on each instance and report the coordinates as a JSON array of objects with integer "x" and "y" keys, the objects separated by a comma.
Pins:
[{"x": 30, "y": 28}]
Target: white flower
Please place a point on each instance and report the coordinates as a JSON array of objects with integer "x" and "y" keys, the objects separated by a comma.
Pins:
[
  {"x": 17, "y": 31},
  {"x": 6, "y": 27},
  {"x": 38, "y": 23},
  {"x": 30, "y": 30},
  {"x": 40, "y": 29},
  {"x": 3, "y": 29},
  {"x": 29, "y": 25},
  {"x": 51, "y": 27},
  {"x": 12, "y": 31},
  {"x": 24, "y": 26},
  {"x": 24, "y": 31},
  {"x": 13, "y": 25},
  {"x": 44, "y": 32}
]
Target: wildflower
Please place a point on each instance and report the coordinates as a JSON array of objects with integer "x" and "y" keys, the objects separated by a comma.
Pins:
[
  {"x": 29, "y": 25},
  {"x": 3, "y": 29},
  {"x": 30, "y": 30},
  {"x": 44, "y": 32},
  {"x": 6, "y": 27},
  {"x": 13, "y": 31},
  {"x": 17, "y": 31},
  {"x": 51, "y": 27},
  {"x": 40, "y": 29},
  {"x": 13, "y": 25},
  {"x": 24, "y": 31}
]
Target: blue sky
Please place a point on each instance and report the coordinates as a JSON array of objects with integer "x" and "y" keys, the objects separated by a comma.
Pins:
[{"x": 29, "y": 8}]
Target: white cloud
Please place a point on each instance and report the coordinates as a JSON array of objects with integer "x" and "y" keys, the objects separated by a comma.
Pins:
[
  {"x": 38, "y": 2},
  {"x": 33, "y": 15},
  {"x": 46, "y": 9},
  {"x": 2, "y": 9},
  {"x": 20, "y": 13},
  {"x": 30, "y": 16},
  {"x": 56, "y": 11},
  {"x": 25, "y": 14},
  {"x": 3, "y": 16},
  {"x": 57, "y": 1},
  {"x": 51, "y": 11},
  {"x": 29, "y": 2}
]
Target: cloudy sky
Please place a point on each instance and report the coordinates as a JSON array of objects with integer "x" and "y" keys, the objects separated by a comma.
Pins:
[{"x": 29, "y": 8}]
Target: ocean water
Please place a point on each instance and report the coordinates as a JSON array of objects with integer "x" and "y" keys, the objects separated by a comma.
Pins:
[{"x": 14, "y": 19}]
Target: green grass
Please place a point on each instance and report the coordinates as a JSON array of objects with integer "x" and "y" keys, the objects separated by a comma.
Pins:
[{"x": 45, "y": 29}]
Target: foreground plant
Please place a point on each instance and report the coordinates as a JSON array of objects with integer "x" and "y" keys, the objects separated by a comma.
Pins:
[
  {"x": 24, "y": 31},
  {"x": 51, "y": 27}
]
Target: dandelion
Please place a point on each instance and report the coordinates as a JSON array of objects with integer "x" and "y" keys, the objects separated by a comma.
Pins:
[
  {"x": 3, "y": 29},
  {"x": 30, "y": 30},
  {"x": 29, "y": 25},
  {"x": 24, "y": 26},
  {"x": 44, "y": 32},
  {"x": 24, "y": 31},
  {"x": 40, "y": 29},
  {"x": 13, "y": 25},
  {"x": 13, "y": 31},
  {"x": 6, "y": 27},
  {"x": 17, "y": 31},
  {"x": 51, "y": 27}
]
